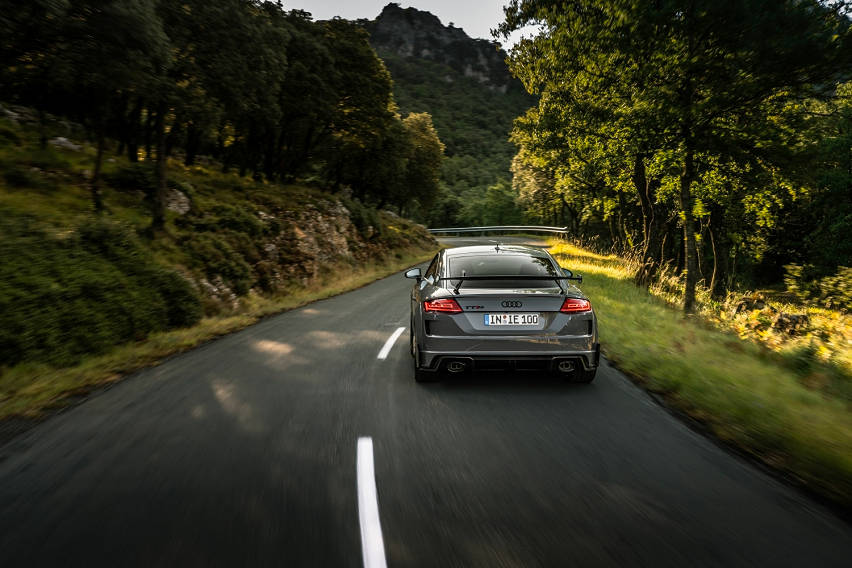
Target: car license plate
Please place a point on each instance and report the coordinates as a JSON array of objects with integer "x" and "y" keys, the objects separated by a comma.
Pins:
[{"x": 511, "y": 319}]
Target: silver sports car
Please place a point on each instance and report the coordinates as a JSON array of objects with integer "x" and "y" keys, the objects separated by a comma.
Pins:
[{"x": 500, "y": 307}]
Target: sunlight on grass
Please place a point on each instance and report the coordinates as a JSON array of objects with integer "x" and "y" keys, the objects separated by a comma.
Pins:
[{"x": 736, "y": 388}]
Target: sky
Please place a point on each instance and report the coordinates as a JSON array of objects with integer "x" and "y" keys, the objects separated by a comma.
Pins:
[{"x": 475, "y": 17}]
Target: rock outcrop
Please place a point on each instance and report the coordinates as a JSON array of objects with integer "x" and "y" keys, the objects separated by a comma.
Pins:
[{"x": 408, "y": 32}]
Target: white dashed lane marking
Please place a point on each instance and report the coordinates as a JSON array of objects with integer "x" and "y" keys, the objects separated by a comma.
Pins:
[
  {"x": 383, "y": 354},
  {"x": 372, "y": 544}
]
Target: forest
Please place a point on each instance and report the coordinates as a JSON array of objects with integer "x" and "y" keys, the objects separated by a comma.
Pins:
[
  {"x": 168, "y": 167},
  {"x": 474, "y": 123},
  {"x": 709, "y": 138},
  {"x": 264, "y": 91}
]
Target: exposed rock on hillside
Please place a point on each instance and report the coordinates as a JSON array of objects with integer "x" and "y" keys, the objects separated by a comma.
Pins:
[
  {"x": 277, "y": 245},
  {"x": 409, "y": 32}
]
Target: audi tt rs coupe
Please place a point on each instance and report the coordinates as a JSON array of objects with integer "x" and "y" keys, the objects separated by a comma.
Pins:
[{"x": 500, "y": 307}]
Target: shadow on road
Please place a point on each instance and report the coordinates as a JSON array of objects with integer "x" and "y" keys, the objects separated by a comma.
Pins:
[{"x": 509, "y": 380}]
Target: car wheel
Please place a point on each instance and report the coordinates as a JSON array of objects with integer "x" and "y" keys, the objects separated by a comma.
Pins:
[{"x": 584, "y": 376}]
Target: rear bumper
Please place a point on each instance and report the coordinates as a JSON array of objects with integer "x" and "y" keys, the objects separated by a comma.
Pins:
[{"x": 544, "y": 360}]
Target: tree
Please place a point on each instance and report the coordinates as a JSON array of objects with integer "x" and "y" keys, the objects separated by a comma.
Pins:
[
  {"x": 87, "y": 56},
  {"x": 691, "y": 80},
  {"x": 425, "y": 156}
]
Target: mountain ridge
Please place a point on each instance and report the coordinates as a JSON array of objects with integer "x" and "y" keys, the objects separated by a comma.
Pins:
[{"x": 409, "y": 32}]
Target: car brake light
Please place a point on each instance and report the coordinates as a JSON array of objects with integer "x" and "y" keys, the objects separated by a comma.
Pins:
[
  {"x": 447, "y": 305},
  {"x": 575, "y": 306}
]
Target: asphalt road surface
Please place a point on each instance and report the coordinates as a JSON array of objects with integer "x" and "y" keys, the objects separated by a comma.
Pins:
[{"x": 243, "y": 453}]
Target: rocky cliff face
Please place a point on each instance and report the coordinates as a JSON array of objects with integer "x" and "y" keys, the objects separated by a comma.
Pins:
[{"x": 408, "y": 32}]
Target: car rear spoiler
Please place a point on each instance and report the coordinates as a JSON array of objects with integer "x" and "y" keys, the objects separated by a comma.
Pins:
[{"x": 461, "y": 279}]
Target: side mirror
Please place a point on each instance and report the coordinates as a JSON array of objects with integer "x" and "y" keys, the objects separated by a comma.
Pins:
[
  {"x": 567, "y": 272},
  {"x": 414, "y": 273}
]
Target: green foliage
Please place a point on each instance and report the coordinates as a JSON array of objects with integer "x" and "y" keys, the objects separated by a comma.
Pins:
[
  {"x": 687, "y": 130},
  {"x": 22, "y": 176},
  {"x": 365, "y": 219},
  {"x": 833, "y": 291},
  {"x": 133, "y": 177},
  {"x": 63, "y": 297},
  {"x": 48, "y": 159},
  {"x": 426, "y": 153},
  {"x": 472, "y": 121},
  {"x": 264, "y": 90},
  {"x": 216, "y": 257},
  {"x": 9, "y": 136},
  {"x": 223, "y": 217}
]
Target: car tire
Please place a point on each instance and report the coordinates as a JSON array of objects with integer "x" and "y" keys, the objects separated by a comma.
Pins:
[{"x": 584, "y": 376}]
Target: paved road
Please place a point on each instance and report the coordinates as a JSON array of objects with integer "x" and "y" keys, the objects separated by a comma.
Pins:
[{"x": 243, "y": 453}]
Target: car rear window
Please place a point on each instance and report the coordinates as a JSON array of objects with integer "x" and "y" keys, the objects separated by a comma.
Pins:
[{"x": 503, "y": 265}]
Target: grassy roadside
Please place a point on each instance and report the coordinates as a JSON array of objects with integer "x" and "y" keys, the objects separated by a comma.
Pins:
[
  {"x": 30, "y": 390},
  {"x": 740, "y": 391}
]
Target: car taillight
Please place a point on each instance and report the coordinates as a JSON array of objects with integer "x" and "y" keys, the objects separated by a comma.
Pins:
[
  {"x": 575, "y": 306},
  {"x": 447, "y": 305}
]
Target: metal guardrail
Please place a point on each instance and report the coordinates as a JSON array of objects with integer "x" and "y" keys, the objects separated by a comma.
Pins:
[{"x": 511, "y": 228}]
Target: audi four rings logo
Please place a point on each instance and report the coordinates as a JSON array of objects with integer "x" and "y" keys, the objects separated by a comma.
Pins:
[{"x": 511, "y": 304}]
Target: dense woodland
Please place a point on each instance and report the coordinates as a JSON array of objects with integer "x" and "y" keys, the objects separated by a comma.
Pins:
[
  {"x": 711, "y": 137},
  {"x": 266, "y": 92},
  {"x": 223, "y": 156}
]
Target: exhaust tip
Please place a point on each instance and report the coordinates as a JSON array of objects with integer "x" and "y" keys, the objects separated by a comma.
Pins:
[
  {"x": 565, "y": 366},
  {"x": 456, "y": 366}
]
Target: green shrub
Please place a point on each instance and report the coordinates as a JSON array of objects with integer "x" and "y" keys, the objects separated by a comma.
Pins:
[
  {"x": 366, "y": 219},
  {"x": 21, "y": 176},
  {"x": 61, "y": 298},
  {"x": 182, "y": 302},
  {"x": 48, "y": 159},
  {"x": 833, "y": 291},
  {"x": 9, "y": 136},
  {"x": 222, "y": 218},
  {"x": 134, "y": 177},
  {"x": 213, "y": 254}
]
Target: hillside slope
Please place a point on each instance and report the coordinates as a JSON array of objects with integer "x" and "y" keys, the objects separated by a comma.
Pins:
[{"x": 74, "y": 285}]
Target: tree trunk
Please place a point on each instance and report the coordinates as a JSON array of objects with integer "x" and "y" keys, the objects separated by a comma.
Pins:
[
  {"x": 650, "y": 225},
  {"x": 623, "y": 234},
  {"x": 133, "y": 122},
  {"x": 686, "y": 205},
  {"x": 149, "y": 125},
  {"x": 158, "y": 222},
  {"x": 243, "y": 161},
  {"x": 95, "y": 182},
  {"x": 721, "y": 250},
  {"x": 174, "y": 134},
  {"x": 193, "y": 139},
  {"x": 699, "y": 252}
]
